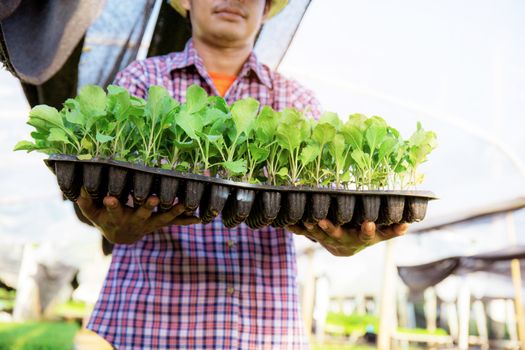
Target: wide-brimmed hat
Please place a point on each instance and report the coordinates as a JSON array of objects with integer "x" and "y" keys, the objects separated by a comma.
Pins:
[
  {"x": 277, "y": 6},
  {"x": 39, "y": 36}
]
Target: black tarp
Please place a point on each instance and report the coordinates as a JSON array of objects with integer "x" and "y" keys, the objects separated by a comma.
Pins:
[{"x": 420, "y": 277}]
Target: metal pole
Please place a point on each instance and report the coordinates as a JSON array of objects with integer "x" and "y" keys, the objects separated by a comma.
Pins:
[
  {"x": 387, "y": 314},
  {"x": 516, "y": 280},
  {"x": 309, "y": 293},
  {"x": 464, "y": 315}
]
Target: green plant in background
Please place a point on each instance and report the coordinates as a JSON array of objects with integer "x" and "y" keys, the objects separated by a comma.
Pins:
[
  {"x": 37, "y": 335},
  {"x": 7, "y": 299},
  {"x": 342, "y": 347},
  {"x": 243, "y": 142},
  {"x": 340, "y": 323},
  {"x": 72, "y": 309}
]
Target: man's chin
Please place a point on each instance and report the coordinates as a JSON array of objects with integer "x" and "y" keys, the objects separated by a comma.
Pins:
[{"x": 228, "y": 35}]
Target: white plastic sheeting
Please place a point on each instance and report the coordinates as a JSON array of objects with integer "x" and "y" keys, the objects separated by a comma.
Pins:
[
  {"x": 459, "y": 68},
  {"x": 278, "y": 33}
]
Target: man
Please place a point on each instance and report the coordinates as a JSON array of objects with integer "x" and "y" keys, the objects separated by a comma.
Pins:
[{"x": 177, "y": 284}]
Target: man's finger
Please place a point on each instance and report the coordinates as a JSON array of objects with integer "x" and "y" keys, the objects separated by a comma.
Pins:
[
  {"x": 297, "y": 229},
  {"x": 185, "y": 221},
  {"x": 114, "y": 208},
  {"x": 308, "y": 226},
  {"x": 87, "y": 205},
  {"x": 401, "y": 229},
  {"x": 144, "y": 212},
  {"x": 83, "y": 193},
  {"x": 164, "y": 219},
  {"x": 303, "y": 231},
  {"x": 333, "y": 231},
  {"x": 391, "y": 231},
  {"x": 368, "y": 231},
  {"x": 317, "y": 234}
]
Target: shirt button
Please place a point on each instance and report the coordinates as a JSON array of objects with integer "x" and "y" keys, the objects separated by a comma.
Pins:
[
  {"x": 230, "y": 243},
  {"x": 230, "y": 290}
]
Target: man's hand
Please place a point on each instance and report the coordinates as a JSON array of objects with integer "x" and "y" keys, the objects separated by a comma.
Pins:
[
  {"x": 124, "y": 225},
  {"x": 342, "y": 241}
]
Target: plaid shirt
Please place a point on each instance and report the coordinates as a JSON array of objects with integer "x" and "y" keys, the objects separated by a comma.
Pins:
[{"x": 205, "y": 286}]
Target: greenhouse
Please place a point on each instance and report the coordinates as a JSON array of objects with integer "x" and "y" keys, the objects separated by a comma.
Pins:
[{"x": 450, "y": 73}]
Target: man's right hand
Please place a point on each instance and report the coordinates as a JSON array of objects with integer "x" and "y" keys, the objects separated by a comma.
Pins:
[{"x": 124, "y": 225}]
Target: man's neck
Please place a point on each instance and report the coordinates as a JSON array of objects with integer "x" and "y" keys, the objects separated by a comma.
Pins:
[{"x": 224, "y": 60}]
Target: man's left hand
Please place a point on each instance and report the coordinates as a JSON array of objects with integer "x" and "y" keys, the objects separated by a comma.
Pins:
[{"x": 342, "y": 241}]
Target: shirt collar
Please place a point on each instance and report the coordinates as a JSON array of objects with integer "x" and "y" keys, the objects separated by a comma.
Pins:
[
  {"x": 190, "y": 57},
  {"x": 262, "y": 72},
  {"x": 186, "y": 58}
]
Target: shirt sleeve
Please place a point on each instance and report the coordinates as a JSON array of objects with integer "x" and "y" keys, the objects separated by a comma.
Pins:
[
  {"x": 307, "y": 102},
  {"x": 312, "y": 106},
  {"x": 132, "y": 78},
  {"x": 301, "y": 98}
]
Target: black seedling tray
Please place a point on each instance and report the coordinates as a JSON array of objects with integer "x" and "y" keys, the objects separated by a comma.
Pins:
[{"x": 257, "y": 205}]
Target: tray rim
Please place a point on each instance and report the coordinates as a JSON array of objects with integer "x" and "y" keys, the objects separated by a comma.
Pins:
[{"x": 53, "y": 158}]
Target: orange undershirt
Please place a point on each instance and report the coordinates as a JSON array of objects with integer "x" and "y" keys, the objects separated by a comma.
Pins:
[{"x": 222, "y": 81}]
